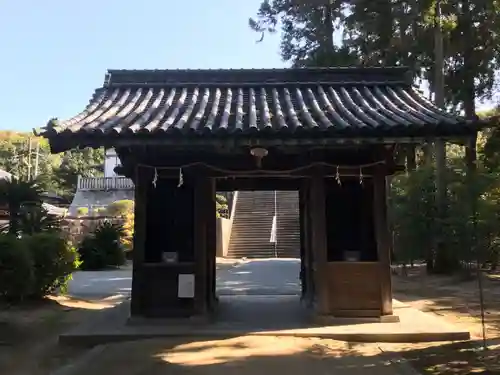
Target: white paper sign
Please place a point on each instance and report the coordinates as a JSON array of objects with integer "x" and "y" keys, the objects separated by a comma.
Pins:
[{"x": 186, "y": 286}]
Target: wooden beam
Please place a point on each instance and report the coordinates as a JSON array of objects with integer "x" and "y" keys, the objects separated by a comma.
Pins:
[{"x": 60, "y": 143}]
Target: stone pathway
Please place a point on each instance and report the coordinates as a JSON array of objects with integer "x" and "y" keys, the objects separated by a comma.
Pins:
[
  {"x": 260, "y": 277},
  {"x": 107, "y": 283}
]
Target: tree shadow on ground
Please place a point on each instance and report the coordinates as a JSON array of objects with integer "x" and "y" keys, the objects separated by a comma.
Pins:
[
  {"x": 270, "y": 354},
  {"x": 453, "y": 358},
  {"x": 451, "y": 297},
  {"x": 242, "y": 355}
]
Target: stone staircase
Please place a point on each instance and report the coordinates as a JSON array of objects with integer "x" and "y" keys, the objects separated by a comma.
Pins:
[
  {"x": 252, "y": 223},
  {"x": 288, "y": 233}
]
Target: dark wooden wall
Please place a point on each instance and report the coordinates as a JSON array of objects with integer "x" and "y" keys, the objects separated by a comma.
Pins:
[
  {"x": 334, "y": 218},
  {"x": 350, "y": 219}
]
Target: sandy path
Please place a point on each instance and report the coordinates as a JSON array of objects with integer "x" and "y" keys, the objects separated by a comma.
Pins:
[{"x": 244, "y": 355}]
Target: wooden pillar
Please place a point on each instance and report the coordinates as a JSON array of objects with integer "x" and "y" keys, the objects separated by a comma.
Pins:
[
  {"x": 303, "y": 255},
  {"x": 211, "y": 233},
  {"x": 316, "y": 202},
  {"x": 203, "y": 196},
  {"x": 305, "y": 238},
  {"x": 140, "y": 197},
  {"x": 383, "y": 239}
]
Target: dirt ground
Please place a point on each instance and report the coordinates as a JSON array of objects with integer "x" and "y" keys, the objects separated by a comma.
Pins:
[
  {"x": 458, "y": 302},
  {"x": 245, "y": 355},
  {"x": 29, "y": 334},
  {"x": 28, "y": 339}
]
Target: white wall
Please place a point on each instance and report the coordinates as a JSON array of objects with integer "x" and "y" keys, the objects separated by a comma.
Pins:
[{"x": 110, "y": 162}]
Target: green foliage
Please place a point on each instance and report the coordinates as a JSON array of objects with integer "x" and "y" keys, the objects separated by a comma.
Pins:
[
  {"x": 128, "y": 233},
  {"x": 33, "y": 266},
  {"x": 221, "y": 205},
  {"x": 100, "y": 211},
  {"x": 413, "y": 210},
  {"x": 34, "y": 218},
  {"x": 124, "y": 209},
  {"x": 389, "y": 33},
  {"x": 120, "y": 208},
  {"x": 54, "y": 261},
  {"x": 82, "y": 211},
  {"x": 14, "y": 195},
  {"x": 16, "y": 269},
  {"x": 470, "y": 230},
  {"x": 56, "y": 173},
  {"x": 86, "y": 163},
  {"x": 91, "y": 256},
  {"x": 103, "y": 247}
]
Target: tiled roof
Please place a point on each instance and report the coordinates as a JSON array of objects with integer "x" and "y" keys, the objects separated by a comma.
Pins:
[{"x": 339, "y": 101}]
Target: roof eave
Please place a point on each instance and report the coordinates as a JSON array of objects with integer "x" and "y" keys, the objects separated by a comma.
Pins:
[{"x": 60, "y": 142}]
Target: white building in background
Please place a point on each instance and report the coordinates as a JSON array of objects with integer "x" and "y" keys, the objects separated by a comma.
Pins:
[
  {"x": 96, "y": 193},
  {"x": 111, "y": 160}
]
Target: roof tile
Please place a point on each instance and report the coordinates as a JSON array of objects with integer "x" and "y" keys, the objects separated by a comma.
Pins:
[{"x": 339, "y": 100}]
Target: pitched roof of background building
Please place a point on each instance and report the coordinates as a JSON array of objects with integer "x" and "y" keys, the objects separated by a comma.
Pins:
[{"x": 4, "y": 175}]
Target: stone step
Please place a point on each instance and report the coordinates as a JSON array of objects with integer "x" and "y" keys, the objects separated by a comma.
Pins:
[{"x": 252, "y": 225}]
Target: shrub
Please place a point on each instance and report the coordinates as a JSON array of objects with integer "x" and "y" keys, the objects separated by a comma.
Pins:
[
  {"x": 16, "y": 269},
  {"x": 34, "y": 218},
  {"x": 221, "y": 205},
  {"x": 90, "y": 255},
  {"x": 128, "y": 232},
  {"x": 103, "y": 247},
  {"x": 13, "y": 194},
  {"x": 54, "y": 260},
  {"x": 82, "y": 211},
  {"x": 100, "y": 211},
  {"x": 120, "y": 208}
]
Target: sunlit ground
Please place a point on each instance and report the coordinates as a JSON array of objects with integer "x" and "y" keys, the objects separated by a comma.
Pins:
[
  {"x": 243, "y": 355},
  {"x": 98, "y": 304}
]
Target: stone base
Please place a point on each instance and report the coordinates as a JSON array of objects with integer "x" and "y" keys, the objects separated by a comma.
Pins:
[
  {"x": 192, "y": 320},
  {"x": 328, "y": 320},
  {"x": 410, "y": 325}
]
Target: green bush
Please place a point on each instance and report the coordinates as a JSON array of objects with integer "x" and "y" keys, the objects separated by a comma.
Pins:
[
  {"x": 54, "y": 260},
  {"x": 34, "y": 218},
  {"x": 82, "y": 211},
  {"x": 103, "y": 247},
  {"x": 16, "y": 269},
  {"x": 120, "y": 208},
  {"x": 100, "y": 211},
  {"x": 90, "y": 255}
]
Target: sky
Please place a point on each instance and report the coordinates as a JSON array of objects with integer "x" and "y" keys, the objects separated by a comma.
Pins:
[{"x": 55, "y": 53}]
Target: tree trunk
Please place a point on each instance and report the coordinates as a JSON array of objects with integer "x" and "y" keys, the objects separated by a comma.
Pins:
[
  {"x": 411, "y": 160},
  {"x": 13, "y": 219},
  {"x": 469, "y": 95}
]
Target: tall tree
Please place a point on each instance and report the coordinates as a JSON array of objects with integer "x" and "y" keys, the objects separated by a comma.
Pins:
[{"x": 399, "y": 32}]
